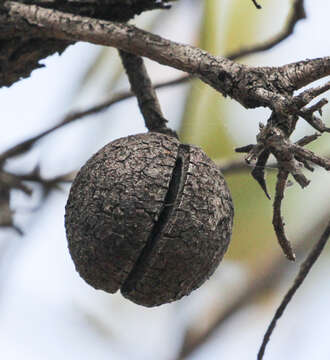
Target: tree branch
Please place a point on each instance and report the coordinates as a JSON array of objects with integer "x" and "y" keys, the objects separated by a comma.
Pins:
[
  {"x": 141, "y": 86},
  {"x": 76, "y": 115},
  {"x": 22, "y": 46},
  {"x": 264, "y": 279},
  {"x": 256, "y": 4},
  {"x": 278, "y": 224},
  {"x": 297, "y": 13},
  {"x": 304, "y": 270},
  {"x": 252, "y": 87}
]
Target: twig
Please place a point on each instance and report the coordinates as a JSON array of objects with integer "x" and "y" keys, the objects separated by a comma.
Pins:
[
  {"x": 308, "y": 139},
  {"x": 141, "y": 86},
  {"x": 274, "y": 139},
  {"x": 258, "y": 171},
  {"x": 256, "y": 4},
  {"x": 264, "y": 279},
  {"x": 233, "y": 166},
  {"x": 304, "y": 270},
  {"x": 26, "y": 145},
  {"x": 297, "y": 13},
  {"x": 277, "y": 218}
]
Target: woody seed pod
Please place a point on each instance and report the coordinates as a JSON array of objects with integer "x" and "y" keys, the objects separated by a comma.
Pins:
[{"x": 149, "y": 216}]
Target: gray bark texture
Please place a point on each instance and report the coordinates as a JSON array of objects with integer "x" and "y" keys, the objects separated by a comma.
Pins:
[
  {"x": 22, "y": 46},
  {"x": 271, "y": 87}
]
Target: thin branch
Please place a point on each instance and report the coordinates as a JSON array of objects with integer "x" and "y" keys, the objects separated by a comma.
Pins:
[
  {"x": 306, "y": 96},
  {"x": 304, "y": 270},
  {"x": 10, "y": 181},
  {"x": 35, "y": 176},
  {"x": 233, "y": 166},
  {"x": 258, "y": 171},
  {"x": 277, "y": 218},
  {"x": 141, "y": 86},
  {"x": 71, "y": 117},
  {"x": 307, "y": 113},
  {"x": 308, "y": 139},
  {"x": 256, "y": 4},
  {"x": 267, "y": 277},
  {"x": 310, "y": 156},
  {"x": 26, "y": 145},
  {"x": 300, "y": 79},
  {"x": 125, "y": 37},
  {"x": 297, "y": 13}
]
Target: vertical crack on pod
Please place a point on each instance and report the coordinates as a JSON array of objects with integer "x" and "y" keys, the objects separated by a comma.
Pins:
[{"x": 172, "y": 197}]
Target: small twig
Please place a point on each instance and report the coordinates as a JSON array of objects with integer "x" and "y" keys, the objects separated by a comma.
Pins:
[
  {"x": 304, "y": 270},
  {"x": 297, "y": 14},
  {"x": 306, "y": 96},
  {"x": 256, "y": 4},
  {"x": 245, "y": 149},
  {"x": 291, "y": 158},
  {"x": 76, "y": 115},
  {"x": 277, "y": 218},
  {"x": 47, "y": 185},
  {"x": 10, "y": 181},
  {"x": 26, "y": 145},
  {"x": 35, "y": 176},
  {"x": 264, "y": 279},
  {"x": 310, "y": 156},
  {"x": 141, "y": 86},
  {"x": 258, "y": 171},
  {"x": 307, "y": 113},
  {"x": 233, "y": 166},
  {"x": 308, "y": 139}
]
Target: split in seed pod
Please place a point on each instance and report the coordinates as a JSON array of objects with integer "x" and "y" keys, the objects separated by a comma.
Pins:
[{"x": 149, "y": 216}]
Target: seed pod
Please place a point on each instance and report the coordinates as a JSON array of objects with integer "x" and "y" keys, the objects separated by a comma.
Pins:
[{"x": 149, "y": 216}]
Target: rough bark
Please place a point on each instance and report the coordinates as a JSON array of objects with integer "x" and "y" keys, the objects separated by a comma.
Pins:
[
  {"x": 252, "y": 87},
  {"x": 22, "y": 46}
]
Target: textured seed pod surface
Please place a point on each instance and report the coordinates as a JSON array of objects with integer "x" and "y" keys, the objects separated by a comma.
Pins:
[{"x": 149, "y": 216}]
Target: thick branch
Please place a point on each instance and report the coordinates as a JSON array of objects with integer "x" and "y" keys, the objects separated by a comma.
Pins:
[
  {"x": 23, "y": 46},
  {"x": 252, "y": 87},
  {"x": 65, "y": 26}
]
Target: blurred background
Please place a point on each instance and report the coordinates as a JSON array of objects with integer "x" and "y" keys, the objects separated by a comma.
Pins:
[{"x": 48, "y": 312}]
